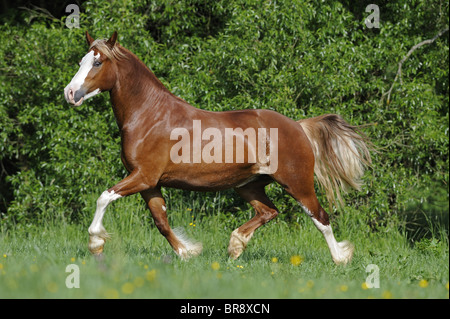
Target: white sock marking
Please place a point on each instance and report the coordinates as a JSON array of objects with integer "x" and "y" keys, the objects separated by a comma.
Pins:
[{"x": 102, "y": 202}]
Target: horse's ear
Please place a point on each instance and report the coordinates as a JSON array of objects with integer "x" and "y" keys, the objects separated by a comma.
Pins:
[
  {"x": 112, "y": 40},
  {"x": 89, "y": 39}
]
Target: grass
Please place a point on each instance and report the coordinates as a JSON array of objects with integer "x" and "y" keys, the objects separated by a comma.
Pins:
[{"x": 283, "y": 260}]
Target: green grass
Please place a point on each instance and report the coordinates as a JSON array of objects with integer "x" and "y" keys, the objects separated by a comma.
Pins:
[{"x": 139, "y": 263}]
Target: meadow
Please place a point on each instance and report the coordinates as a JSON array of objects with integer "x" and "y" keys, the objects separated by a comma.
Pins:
[{"x": 283, "y": 260}]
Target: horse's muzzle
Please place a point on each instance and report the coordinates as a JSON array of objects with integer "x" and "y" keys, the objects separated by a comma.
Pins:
[{"x": 74, "y": 97}]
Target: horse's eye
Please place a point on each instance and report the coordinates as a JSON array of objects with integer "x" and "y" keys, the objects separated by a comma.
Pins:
[{"x": 97, "y": 63}]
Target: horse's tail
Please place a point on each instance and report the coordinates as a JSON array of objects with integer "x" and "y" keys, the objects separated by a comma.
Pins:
[{"x": 341, "y": 152}]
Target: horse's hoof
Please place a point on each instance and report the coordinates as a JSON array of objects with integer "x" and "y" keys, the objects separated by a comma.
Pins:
[
  {"x": 96, "y": 244},
  {"x": 234, "y": 253},
  {"x": 345, "y": 253},
  {"x": 237, "y": 245}
]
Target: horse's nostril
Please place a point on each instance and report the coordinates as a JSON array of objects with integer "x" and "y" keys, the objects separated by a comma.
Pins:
[{"x": 70, "y": 94}]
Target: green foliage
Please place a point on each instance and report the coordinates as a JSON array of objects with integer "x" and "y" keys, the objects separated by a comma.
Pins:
[
  {"x": 431, "y": 246},
  {"x": 299, "y": 58}
]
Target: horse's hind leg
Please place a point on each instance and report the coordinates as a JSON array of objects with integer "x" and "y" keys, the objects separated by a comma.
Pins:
[
  {"x": 301, "y": 187},
  {"x": 182, "y": 246},
  {"x": 265, "y": 211},
  {"x": 341, "y": 252},
  {"x": 296, "y": 175}
]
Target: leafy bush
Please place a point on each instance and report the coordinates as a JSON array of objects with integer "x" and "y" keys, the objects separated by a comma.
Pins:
[{"x": 300, "y": 59}]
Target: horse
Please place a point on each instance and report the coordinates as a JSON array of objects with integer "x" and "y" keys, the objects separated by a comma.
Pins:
[{"x": 151, "y": 121}]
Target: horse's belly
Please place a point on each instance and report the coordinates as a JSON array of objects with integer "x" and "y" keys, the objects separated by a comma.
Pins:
[{"x": 201, "y": 177}]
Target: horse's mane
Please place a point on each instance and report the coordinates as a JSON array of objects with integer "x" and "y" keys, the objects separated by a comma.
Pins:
[{"x": 115, "y": 52}]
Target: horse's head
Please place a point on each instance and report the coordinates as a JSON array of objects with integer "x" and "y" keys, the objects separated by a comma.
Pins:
[{"x": 97, "y": 72}]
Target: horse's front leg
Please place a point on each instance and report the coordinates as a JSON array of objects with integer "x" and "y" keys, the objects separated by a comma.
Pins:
[
  {"x": 182, "y": 246},
  {"x": 132, "y": 184}
]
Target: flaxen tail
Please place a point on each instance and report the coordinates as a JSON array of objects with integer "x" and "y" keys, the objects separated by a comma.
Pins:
[{"x": 341, "y": 152}]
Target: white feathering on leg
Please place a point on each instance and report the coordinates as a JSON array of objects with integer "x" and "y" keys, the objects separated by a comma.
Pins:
[{"x": 193, "y": 248}]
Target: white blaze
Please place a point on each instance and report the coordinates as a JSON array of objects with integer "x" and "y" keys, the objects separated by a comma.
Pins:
[{"x": 86, "y": 65}]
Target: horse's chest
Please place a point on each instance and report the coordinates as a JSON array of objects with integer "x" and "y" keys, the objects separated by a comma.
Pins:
[{"x": 140, "y": 150}]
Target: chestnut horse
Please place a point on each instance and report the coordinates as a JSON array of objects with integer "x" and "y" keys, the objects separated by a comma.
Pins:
[{"x": 151, "y": 120}]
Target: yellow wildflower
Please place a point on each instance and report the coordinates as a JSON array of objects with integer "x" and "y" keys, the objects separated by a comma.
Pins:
[
  {"x": 215, "y": 265},
  {"x": 151, "y": 275},
  {"x": 386, "y": 294},
  {"x": 52, "y": 287},
  {"x": 127, "y": 288},
  {"x": 296, "y": 260},
  {"x": 343, "y": 288},
  {"x": 111, "y": 294}
]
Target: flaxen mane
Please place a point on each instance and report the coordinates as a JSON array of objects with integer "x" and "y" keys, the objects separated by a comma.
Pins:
[{"x": 116, "y": 52}]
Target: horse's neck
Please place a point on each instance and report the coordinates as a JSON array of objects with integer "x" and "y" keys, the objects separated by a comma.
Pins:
[{"x": 137, "y": 90}]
